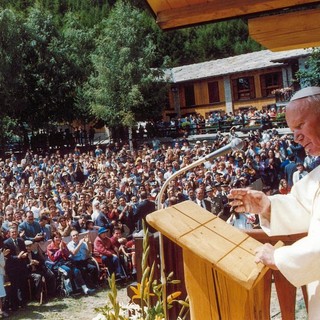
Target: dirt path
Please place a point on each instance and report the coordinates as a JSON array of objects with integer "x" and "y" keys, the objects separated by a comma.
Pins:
[
  {"x": 78, "y": 307},
  {"x": 82, "y": 307}
]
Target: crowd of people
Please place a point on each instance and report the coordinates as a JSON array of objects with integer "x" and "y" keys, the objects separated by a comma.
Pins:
[
  {"x": 195, "y": 123},
  {"x": 111, "y": 189}
]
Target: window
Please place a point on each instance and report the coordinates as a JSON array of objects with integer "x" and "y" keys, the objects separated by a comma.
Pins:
[
  {"x": 270, "y": 82},
  {"x": 189, "y": 95},
  {"x": 213, "y": 89},
  {"x": 243, "y": 88}
]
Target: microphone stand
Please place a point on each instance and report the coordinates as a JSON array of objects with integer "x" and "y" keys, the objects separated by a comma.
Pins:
[{"x": 236, "y": 144}]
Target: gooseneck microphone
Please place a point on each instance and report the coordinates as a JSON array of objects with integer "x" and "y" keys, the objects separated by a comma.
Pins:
[{"x": 236, "y": 144}]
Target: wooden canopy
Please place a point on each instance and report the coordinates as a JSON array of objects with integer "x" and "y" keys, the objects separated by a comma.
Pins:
[{"x": 276, "y": 24}]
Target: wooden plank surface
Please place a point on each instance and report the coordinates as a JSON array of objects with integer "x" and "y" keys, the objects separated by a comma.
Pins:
[
  {"x": 300, "y": 29},
  {"x": 210, "y": 238},
  {"x": 240, "y": 266},
  {"x": 207, "y": 244},
  {"x": 227, "y": 231},
  {"x": 177, "y": 13},
  {"x": 200, "y": 287}
]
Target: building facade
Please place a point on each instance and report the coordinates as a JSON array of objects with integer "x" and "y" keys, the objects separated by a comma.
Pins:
[{"x": 245, "y": 81}]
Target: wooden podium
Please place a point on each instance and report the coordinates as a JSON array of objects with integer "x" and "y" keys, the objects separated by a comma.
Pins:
[{"x": 222, "y": 279}]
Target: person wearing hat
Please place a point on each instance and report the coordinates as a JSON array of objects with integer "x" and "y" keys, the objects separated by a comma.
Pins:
[
  {"x": 296, "y": 212},
  {"x": 103, "y": 247},
  {"x": 216, "y": 201},
  {"x": 36, "y": 269}
]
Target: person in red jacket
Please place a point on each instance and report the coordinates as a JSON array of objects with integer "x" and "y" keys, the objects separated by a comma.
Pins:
[{"x": 109, "y": 253}]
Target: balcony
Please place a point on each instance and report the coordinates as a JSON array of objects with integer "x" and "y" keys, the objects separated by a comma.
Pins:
[{"x": 283, "y": 95}]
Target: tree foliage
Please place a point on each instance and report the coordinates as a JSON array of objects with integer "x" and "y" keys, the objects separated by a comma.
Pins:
[
  {"x": 124, "y": 81},
  {"x": 207, "y": 42},
  {"x": 310, "y": 76},
  {"x": 63, "y": 60},
  {"x": 11, "y": 66}
]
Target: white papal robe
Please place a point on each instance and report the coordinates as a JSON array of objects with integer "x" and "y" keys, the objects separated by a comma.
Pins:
[{"x": 299, "y": 212}]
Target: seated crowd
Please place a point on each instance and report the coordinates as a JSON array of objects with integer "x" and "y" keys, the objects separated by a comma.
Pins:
[{"x": 109, "y": 190}]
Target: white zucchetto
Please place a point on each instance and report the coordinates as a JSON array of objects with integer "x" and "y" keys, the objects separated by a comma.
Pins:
[{"x": 305, "y": 92}]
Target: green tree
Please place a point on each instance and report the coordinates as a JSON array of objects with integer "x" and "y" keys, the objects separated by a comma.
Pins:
[
  {"x": 206, "y": 42},
  {"x": 310, "y": 76},
  {"x": 8, "y": 131},
  {"x": 49, "y": 86},
  {"x": 79, "y": 40},
  {"x": 124, "y": 87},
  {"x": 53, "y": 70},
  {"x": 12, "y": 63}
]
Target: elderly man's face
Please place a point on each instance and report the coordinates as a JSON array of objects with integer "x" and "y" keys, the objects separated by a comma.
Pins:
[
  {"x": 200, "y": 194},
  {"x": 303, "y": 119}
]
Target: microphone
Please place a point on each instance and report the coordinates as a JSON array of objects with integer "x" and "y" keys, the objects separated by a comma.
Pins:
[{"x": 236, "y": 144}]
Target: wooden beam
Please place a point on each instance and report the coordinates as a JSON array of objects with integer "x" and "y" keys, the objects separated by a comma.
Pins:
[
  {"x": 181, "y": 14},
  {"x": 300, "y": 29}
]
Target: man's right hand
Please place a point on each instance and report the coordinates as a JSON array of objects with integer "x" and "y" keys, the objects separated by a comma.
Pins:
[{"x": 252, "y": 201}]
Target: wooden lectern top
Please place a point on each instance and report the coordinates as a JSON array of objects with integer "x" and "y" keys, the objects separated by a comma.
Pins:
[{"x": 193, "y": 228}]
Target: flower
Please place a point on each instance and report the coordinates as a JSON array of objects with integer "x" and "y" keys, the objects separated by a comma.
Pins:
[
  {"x": 137, "y": 291},
  {"x": 286, "y": 90},
  {"x": 173, "y": 296}
]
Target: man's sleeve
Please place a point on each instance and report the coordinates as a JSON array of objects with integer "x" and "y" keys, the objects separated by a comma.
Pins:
[
  {"x": 299, "y": 262},
  {"x": 291, "y": 213},
  {"x": 288, "y": 216},
  {"x": 298, "y": 212}
]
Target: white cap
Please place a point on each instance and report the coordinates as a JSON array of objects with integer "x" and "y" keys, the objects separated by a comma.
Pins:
[{"x": 305, "y": 92}]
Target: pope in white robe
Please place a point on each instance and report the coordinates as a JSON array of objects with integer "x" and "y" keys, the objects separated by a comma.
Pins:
[{"x": 297, "y": 212}]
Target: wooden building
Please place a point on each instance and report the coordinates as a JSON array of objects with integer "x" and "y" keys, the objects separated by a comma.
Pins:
[
  {"x": 278, "y": 25},
  {"x": 233, "y": 83}
]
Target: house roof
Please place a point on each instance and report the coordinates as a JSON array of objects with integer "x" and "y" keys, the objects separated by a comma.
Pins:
[{"x": 245, "y": 62}]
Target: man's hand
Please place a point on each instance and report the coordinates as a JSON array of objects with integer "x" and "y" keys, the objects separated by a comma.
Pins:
[
  {"x": 34, "y": 262},
  {"x": 6, "y": 252},
  {"x": 39, "y": 237},
  {"x": 22, "y": 255},
  {"x": 265, "y": 255},
  {"x": 246, "y": 200}
]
